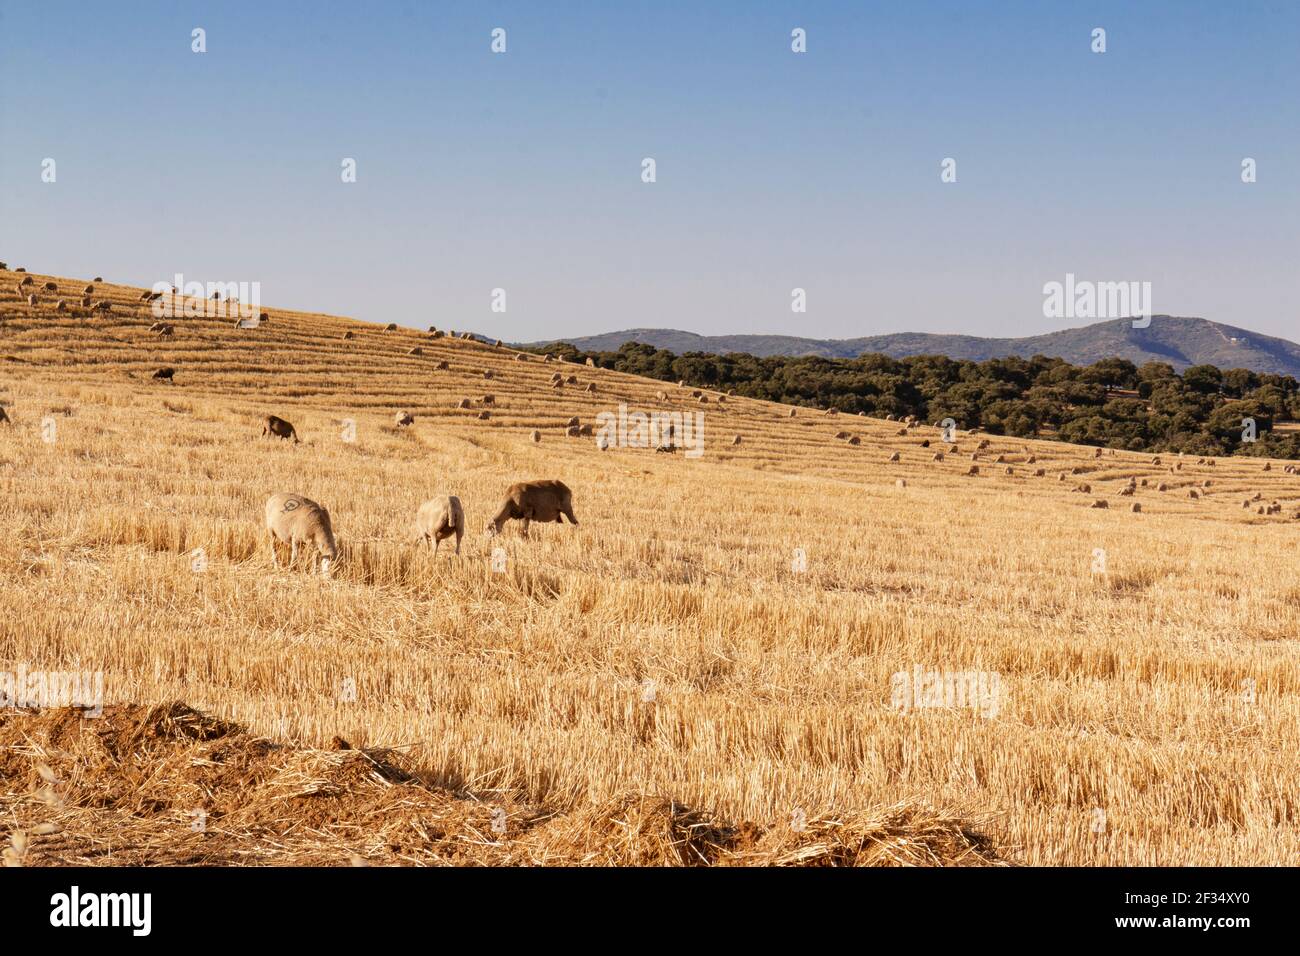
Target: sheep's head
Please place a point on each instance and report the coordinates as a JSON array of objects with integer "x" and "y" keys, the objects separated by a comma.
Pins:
[
  {"x": 492, "y": 530},
  {"x": 324, "y": 540}
]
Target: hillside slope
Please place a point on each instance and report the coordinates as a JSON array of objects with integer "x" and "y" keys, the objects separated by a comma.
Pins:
[
  {"x": 724, "y": 633},
  {"x": 1179, "y": 341}
]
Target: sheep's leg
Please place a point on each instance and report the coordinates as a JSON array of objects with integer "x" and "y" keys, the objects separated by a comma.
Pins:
[
  {"x": 436, "y": 541},
  {"x": 524, "y": 530},
  {"x": 293, "y": 554},
  {"x": 568, "y": 513},
  {"x": 275, "y": 558},
  {"x": 459, "y": 532}
]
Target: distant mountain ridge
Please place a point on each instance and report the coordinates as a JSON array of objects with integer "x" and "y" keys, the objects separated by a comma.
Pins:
[{"x": 1181, "y": 342}]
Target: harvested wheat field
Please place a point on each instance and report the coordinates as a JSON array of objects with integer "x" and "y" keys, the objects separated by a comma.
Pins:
[{"x": 700, "y": 672}]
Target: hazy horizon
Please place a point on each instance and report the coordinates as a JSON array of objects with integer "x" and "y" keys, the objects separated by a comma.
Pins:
[{"x": 775, "y": 170}]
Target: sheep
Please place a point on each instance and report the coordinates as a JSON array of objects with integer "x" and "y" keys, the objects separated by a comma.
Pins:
[
  {"x": 586, "y": 430},
  {"x": 26, "y": 280},
  {"x": 4, "y": 416},
  {"x": 1267, "y": 466},
  {"x": 571, "y": 380},
  {"x": 463, "y": 403},
  {"x": 348, "y": 335},
  {"x": 534, "y": 501},
  {"x": 390, "y": 327},
  {"x": 433, "y": 328},
  {"x": 1100, "y": 503},
  {"x": 591, "y": 387},
  {"x": 855, "y": 440},
  {"x": 572, "y": 422},
  {"x": 435, "y": 334},
  {"x": 61, "y": 306},
  {"x": 496, "y": 344},
  {"x": 440, "y": 518},
  {"x": 403, "y": 419},
  {"x": 926, "y": 443},
  {"x": 165, "y": 374},
  {"x": 264, "y": 317},
  {"x": 85, "y": 302},
  {"x": 900, "y": 433},
  {"x": 661, "y": 396},
  {"x": 571, "y": 431},
  {"x": 1193, "y": 493},
  {"x": 521, "y": 357},
  {"x": 984, "y": 443},
  {"x": 895, "y": 457},
  {"x": 1097, "y": 453},
  {"x": 792, "y": 413},
  {"x": 556, "y": 377},
  {"x": 31, "y": 300},
  {"x": 900, "y": 483},
  {"x": 167, "y": 331},
  {"x": 99, "y": 278},
  {"x": 103, "y": 305},
  {"x": 484, "y": 415},
  {"x": 558, "y": 383},
  {"x": 937, "y": 456},
  {"x": 1040, "y": 472},
  {"x": 416, "y": 350},
  {"x": 4, "y": 267},
  {"x": 442, "y": 366},
  {"x": 488, "y": 399},
  {"x": 735, "y": 440},
  {"x": 145, "y": 296},
  {"x": 548, "y": 357},
  {"x": 487, "y": 373},
  {"x": 973, "y": 470},
  {"x": 536, "y": 436},
  {"x": 1162, "y": 487},
  {"x": 293, "y": 520},
  {"x": 467, "y": 335},
  {"x": 1009, "y": 470},
  {"x": 1136, "y": 507},
  {"x": 1084, "y": 488},
  {"x": 50, "y": 287},
  {"x": 277, "y": 427},
  {"x": 832, "y": 410}
]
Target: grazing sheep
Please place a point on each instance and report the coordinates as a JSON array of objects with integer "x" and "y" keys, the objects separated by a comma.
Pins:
[
  {"x": 1162, "y": 487},
  {"x": 497, "y": 344},
  {"x": 1136, "y": 507},
  {"x": 937, "y": 456},
  {"x": 60, "y": 306},
  {"x": 1193, "y": 493},
  {"x": 548, "y": 357},
  {"x": 1009, "y": 470},
  {"x": 1126, "y": 491},
  {"x": 440, "y": 518},
  {"x": 167, "y": 331},
  {"x": 4, "y": 416},
  {"x": 488, "y": 399},
  {"x": 900, "y": 433},
  {"x": 442, "y": 366},
  {"x": 791, "y": 415},
  {"x": 895, "y": 457},
  {"x": 571, "y": 380},
  {"x": 348, "y": 335},
  {"x": 590, "y": 362},
  {"x": 487, "y": 373},
  {"x": 1032, "y": 459},
  {"x": 556, "y": 377},
  {"x": 165, "y": 374},
  {"x": 293, "y": 520},
  {"x": 467, "y": 335},
  {"x": 103, "y": 305},
  {"x": 735, "y": 440},
  {"x": 85, "y": 302},
  {"x": 572, "y": 422},
  {"x": 1267, "y": 466},
  {"x": 591, "y": 387},
  {"x": 435, "y": 334},
  {"x": 390, "y": 327},
  {"x": 433, "y": 328},
  {"x": 536, "y": 436},
  {"x": 586, "y": 430},
  {"x": 855, "y": 440},
  {"x": 26, "y": 280},
  {"x": 1100, "y": 503},
  {"x": 484, "y": 415},
  {"x": 463, "y": 403},
  {"x": 840, "y": 436},
  {"x": 279, "y": 428},
  {"x": 661, "y": 396},
  {"x": 1000, "y": 460},
  {"x": 973, "y": 470},
  {"x": 31, "y": 300},
  {"x": 1155, "y": 460},
  {"x": 145, "y": 296},
  {"x": 1097, "y": 453},
  {"x": 832, "y": 410},
  {"x": 696, "y": 393},
  {"x": 99, "y": 278},
  {"x": 984, "y": 443},
  {"x": 50, "y": 287},
  {"x": 571, "y": 431},
  {"x": 521, "y": 357},
  {"x": 558, "y": 383},
  {"x": 534, "y": 501},
  {"x": 415, "y": 350},
  {"x": 403, "y": 419},
  {"x": 1040, "y": 472},
  {"x": 926, "y": 443},
  {"x": 900, "y": 483},
  {"x": 4, "y": 267}
]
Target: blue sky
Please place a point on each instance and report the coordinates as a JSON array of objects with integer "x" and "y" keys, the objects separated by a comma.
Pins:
[{"x": 775, "y": 170}]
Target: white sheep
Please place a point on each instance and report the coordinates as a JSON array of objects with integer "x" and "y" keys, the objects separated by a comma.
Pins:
[
  {"x": 440, "y": 518},
  {"x": 293, "y": 520}
]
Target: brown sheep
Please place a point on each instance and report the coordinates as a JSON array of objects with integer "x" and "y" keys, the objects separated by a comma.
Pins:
[
  {"x": 463, "y": 403},
  {"x": 1100, "y": 503},
  {"x": 571, "y": 431},
  {"x": 1040, "y": 472},
  {"x": 99, "y": 278},
  {"x": 390, "y": 327},
  {"x": 4, "y": 416},
  {"x": 403, "y": 419},
  {"x": 586, "y": 430},
  {"x": 435, "y": 334},
  {"x": 442, "y": 366},
  {"x": 165, "y": 374},
  {"x": 937, "y": 456},
  {"x": 571, "y": 380},
  {"x": 558, "y": 383},
  {"x": 521, "y": 357},
  {"x": 167, "y": 331},
  {"x": 572, "y": 422},
  {"x": 536, "y": 436},
  {"x": 791, "y": 415},
  {"x": 489, "y": 399},
  {"x": 591, "y": 387},
  {"x": 85, "y": 302},
  {"x": 855, "y": 440},
  {"x": 973, "y": 470},
  {"x": 90, "y": 290},
  {"x": 1136, "y": 507},
  {"x": 736, "y": 440},
  {"x": 26, "y": 280},
  {"x": 416, "y": 350},
  {"x": 496, "y": 344},
  {"x": 60, "y": 306},
  {"x": 103, "y": 305},
  {"x": 279, "y": 428},
  {"x": 440, "y": 518},
  {"x": 531, "y": 501},
  {"x": 50, "y": 287},
  {"x": 484, "y": 415},
  {"x": 293, "y": 520},
  {"x": 348, "y": 335},
  {"x": 895, "y": 457},
  {"x": 487, "y": 373},
  {"x": 31, "y": 300}
]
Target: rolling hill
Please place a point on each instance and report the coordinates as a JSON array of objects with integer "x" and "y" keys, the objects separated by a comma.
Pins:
[
  {"x": 827, "y": 640},
  {"x": 1179, "y": 341}
]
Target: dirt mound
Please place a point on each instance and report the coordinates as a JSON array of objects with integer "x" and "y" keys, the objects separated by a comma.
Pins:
[{"x": 168, "y": 785}]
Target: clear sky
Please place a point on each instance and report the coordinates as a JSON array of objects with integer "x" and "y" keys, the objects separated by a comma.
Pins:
[{"x": 775, "y": 170}]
